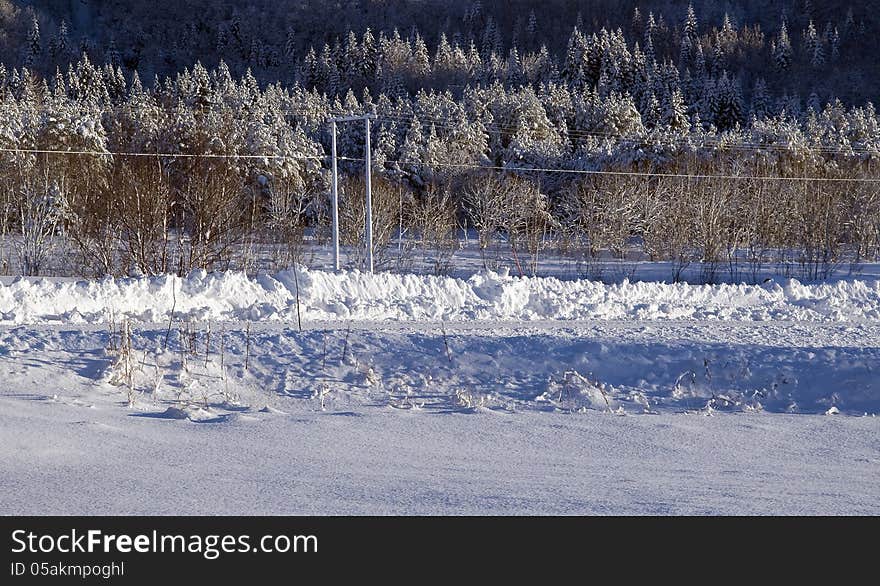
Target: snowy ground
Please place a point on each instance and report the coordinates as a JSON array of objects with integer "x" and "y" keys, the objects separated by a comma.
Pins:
[{"x": 407, "y": 394}]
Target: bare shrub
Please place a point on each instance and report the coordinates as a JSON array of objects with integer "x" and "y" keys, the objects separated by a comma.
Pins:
[
  {"x": 40, "y": 207},
  {"x": 352, "y": 218},
  {"x": 528, "y": 220},
  {"x": 142, "y": 191},
  {"x": 668, "y": 227},
  {"x": 818, "y": 229},
  {"x": 709, "y": 203},
  {"x": 433, "y": 219},
  {"x": 287, "y": 210},
  {"x": 606, "y": 211},
  {"x": 213, "y": 216},
  {"x": 511, "y": 206},
  {"x": 484, "y": 197},
  {"x": 862, "y": 213}
]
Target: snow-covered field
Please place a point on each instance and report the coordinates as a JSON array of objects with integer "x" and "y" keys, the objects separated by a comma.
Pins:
[{"x": 416, "y": 394}]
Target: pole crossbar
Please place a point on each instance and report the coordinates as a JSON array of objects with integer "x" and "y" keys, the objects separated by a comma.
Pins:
[{"x": 353, "y": 118}]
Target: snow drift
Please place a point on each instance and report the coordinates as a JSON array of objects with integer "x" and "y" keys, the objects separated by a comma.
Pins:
[{"x": 384, "y": 296}]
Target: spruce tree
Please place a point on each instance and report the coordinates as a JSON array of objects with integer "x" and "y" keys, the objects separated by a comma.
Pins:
[
  {"x": 761, "y": 100},
  {"x": 674, "y": 115},
  {"x": 690, "y": 23},
  {"x": 60, "y": 48},
  {"x": 835, "y": 45},
  {"x": 781, "y": 49},
  {"x": 33, "y": 49}
]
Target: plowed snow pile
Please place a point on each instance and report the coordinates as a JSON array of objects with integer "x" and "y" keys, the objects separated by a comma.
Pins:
[{"x": 384, "y": 296}]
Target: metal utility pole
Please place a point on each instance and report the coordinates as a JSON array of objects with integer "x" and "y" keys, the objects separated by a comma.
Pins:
[
  {"x": 335, "y": 203},
  {"x": 368, "y": 228}
]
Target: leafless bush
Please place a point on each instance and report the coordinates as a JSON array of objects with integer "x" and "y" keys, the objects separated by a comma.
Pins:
[
  {"x": 483, "y": 198},
  {"x": 433, "y": 219},
  {"x": 818, "y": 229},
  {"x": 713, "y": 226},
  {"x": 287, "y": 208},
  {"x": 142, "y": 192},
  {"x": 528, "y": 220},
  {"x": 352, "y": 217},
  {"x": 508, "y": 205},
  {"x": 668, "y": 227},
  {"x": 605, "y": 210},
  {"x": 40, "y": 204},
  {"x": 862, "y": 213},
  {"x": 91, "y": 212},
  {"x": 213, "y": 215},
  {"x": 756, "y": 217}
]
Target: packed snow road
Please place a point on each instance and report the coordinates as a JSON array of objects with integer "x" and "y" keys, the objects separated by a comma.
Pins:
[{"x": 67, "y": 459}]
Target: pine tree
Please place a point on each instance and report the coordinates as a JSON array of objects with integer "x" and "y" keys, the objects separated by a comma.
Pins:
[
  {"x": 575, "y": 58},
  {"x": 728, "y": 105},
  {"x": 515, "y": 76},
  {"x": 535, "y": 141},
  {"x": 761, "y": 100},
  {"x": 308, "y": 74},
  {"x": 781, "y": 50},
  {"x": 849, "y": 24},
  {"x": 727, "y": 36},
  {"x": 708, "y": 100},
  {"x": 491, "y": 39},
  {"x": 222, "y": 41},
  {"x": 327, "y": 76},
  {"x": 412, "y": 151},
  {"x": 674, "y": 114},
  {"x": 369, "y": 55},
  {"x": 811, "y": 40},
  {"x": 33, "y": 49},
  {"x": 685, "y": 59},
  {"x": 391, "y": 84},
  {"x": 818, "y": 59},
  {"x": 718, "y": 60},
  {"x": 474, "y": 61},
  {"x": 532, "y": 29},
  {"x": 835, "y": 45},
  {"x": 60, "y": 48},
  {"x": 443, "y": 60},
  {"x": 290, "y": 44},
  {"x": 652, "y": 114},
  {"x": 814, "y": 103},
  {"x": 808, "y": 8},
  {"x": 474, "y": 15},
  {"x": 421, "y": 63},
  {"x": 112, "y": 57},
  {"x": 86, "y": 47},
  {"x": 384, "y": 148},
  {"x": 235, "y": 27},
  {"x": 636, "y": 22},
  {"x": 650, "y": 55},
  {"x": 690, "y": 23},
  {"x": 619, "y": 115}
]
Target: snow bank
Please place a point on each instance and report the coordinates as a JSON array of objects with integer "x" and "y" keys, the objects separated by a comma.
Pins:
[{"x": 385, "y": 296}]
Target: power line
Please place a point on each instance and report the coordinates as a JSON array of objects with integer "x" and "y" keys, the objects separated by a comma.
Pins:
[
  {"x": 158, "y": 154},
  {"x": 648, "y": 173},
  {"x": 463, "y": 166}
]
